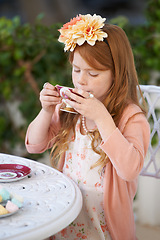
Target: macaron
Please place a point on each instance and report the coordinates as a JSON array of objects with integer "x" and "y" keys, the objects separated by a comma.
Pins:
[
  {"x": 4, "y": 194},
  {"x": 3, "y": 210},
  {"x": 11, "y": 207},
  {"x": 16, "y": 196},
  {"x": 16, "y": 202}
]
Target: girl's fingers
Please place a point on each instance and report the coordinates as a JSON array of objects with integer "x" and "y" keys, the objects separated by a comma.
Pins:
[
  {"x": 79, "y": 95},
  {"x": 49, "y": 89},
  {"x": 47, "y": 85},
  {"x": 74, "y": 96},
  {"x": 49, "y": 104},
  {"x": 50, "y": 92},
  {"x": 81, "y": 106},
  {"x": 82, "y": 93},
  {"x": 49, "y": 98}
]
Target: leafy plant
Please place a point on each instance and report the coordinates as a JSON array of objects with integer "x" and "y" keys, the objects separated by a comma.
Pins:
[
  {"x": 145, "y": 40},
  {"x": 30, "y": 56}
]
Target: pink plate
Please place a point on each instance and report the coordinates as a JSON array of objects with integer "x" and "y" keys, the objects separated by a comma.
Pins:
[{"x": 13, "y": 172}]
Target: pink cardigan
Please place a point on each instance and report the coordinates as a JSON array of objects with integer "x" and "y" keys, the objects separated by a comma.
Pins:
[{"x": 126, "y": 149}]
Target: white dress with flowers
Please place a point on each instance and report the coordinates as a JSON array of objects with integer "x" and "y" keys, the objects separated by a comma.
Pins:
[{"x": 91, "y": 223}]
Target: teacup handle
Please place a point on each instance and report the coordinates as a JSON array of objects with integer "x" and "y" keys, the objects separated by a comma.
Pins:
[
  {"x": 62, "y": 93},
  {"x": 64, "y": 96}
]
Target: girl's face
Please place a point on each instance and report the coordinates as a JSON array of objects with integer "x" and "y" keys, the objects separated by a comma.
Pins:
[{"x": 89, "y": 79}]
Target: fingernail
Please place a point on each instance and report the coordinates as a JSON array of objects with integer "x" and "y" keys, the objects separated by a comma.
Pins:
[{"x": 67, "y": 91}]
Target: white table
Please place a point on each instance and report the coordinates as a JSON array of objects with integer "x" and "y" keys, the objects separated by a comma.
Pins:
[{"x": 51, "y": 202}]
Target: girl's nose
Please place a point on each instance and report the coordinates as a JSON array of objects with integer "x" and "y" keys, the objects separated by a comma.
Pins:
[{"x": 82, "y": 79}]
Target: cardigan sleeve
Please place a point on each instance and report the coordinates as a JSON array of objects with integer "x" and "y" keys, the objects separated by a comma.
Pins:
[
  {"x": 126, "y": 150},
  {"x": 49, "y": 140}
]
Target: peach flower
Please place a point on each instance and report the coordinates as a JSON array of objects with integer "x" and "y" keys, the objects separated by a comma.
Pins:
[
  {"x": 80, "y": 29},
  {"x": 72, "y": 22}
]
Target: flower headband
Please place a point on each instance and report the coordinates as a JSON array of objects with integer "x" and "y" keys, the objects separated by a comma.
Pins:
[{"x": 80, "y": 29}]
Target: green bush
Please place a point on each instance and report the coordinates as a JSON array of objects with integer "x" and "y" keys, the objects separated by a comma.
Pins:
[
  {"x": 145, "y": 40},
  {"x": 149, "y": 48},
  {"x": 29, "y": 57}
]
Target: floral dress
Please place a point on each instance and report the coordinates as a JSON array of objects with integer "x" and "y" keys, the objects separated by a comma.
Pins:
[{"x": 90, "y": 223}]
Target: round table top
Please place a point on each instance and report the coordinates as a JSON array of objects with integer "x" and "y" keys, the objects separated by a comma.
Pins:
[{"x": 51, "y": 202}]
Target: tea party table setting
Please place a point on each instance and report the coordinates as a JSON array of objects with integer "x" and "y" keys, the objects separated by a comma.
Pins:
[{"x": 36, "y": 200}]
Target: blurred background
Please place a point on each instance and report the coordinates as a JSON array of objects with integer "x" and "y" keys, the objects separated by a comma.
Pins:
[
  {"x": 63, "y": 10},
  {"x": 30, "y": 55}
]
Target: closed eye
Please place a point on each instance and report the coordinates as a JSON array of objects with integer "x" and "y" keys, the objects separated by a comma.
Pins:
[
  {"x": 76, "y": 70},
  {"x": 93, "y": 74}
]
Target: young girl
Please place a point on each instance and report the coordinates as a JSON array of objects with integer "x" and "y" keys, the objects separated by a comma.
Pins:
[{"x": 102, "y": 148}]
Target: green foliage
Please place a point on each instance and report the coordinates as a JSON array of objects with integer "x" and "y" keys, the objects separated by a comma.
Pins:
[
  {"x": 145, "y": 40},
  {"x": 29, "y": 57}
]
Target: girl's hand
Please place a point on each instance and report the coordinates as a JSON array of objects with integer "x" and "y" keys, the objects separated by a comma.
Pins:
[
  {"x": 90, "y": 107},
  {"x": 49, "y": 97}
]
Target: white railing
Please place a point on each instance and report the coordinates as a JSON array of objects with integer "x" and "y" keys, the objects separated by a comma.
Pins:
[{"x": 152, "y": 161}]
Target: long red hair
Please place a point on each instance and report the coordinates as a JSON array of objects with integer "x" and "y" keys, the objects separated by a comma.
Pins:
[{"x": 115, "y": 53}]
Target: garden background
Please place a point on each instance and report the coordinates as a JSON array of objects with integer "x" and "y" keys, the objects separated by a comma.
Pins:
[{"x": 30, "y": 55}]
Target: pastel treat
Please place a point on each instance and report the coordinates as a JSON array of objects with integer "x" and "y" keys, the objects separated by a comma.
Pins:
[
  {"x": 19, "y": 198},
  {"x": 11, "y": 207},
  {"x": 16, "y": 202},
  {"x": 4, "y": 194},
  {"x": 0, "y": 198},
  {"x": 3, "y": 210}
]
